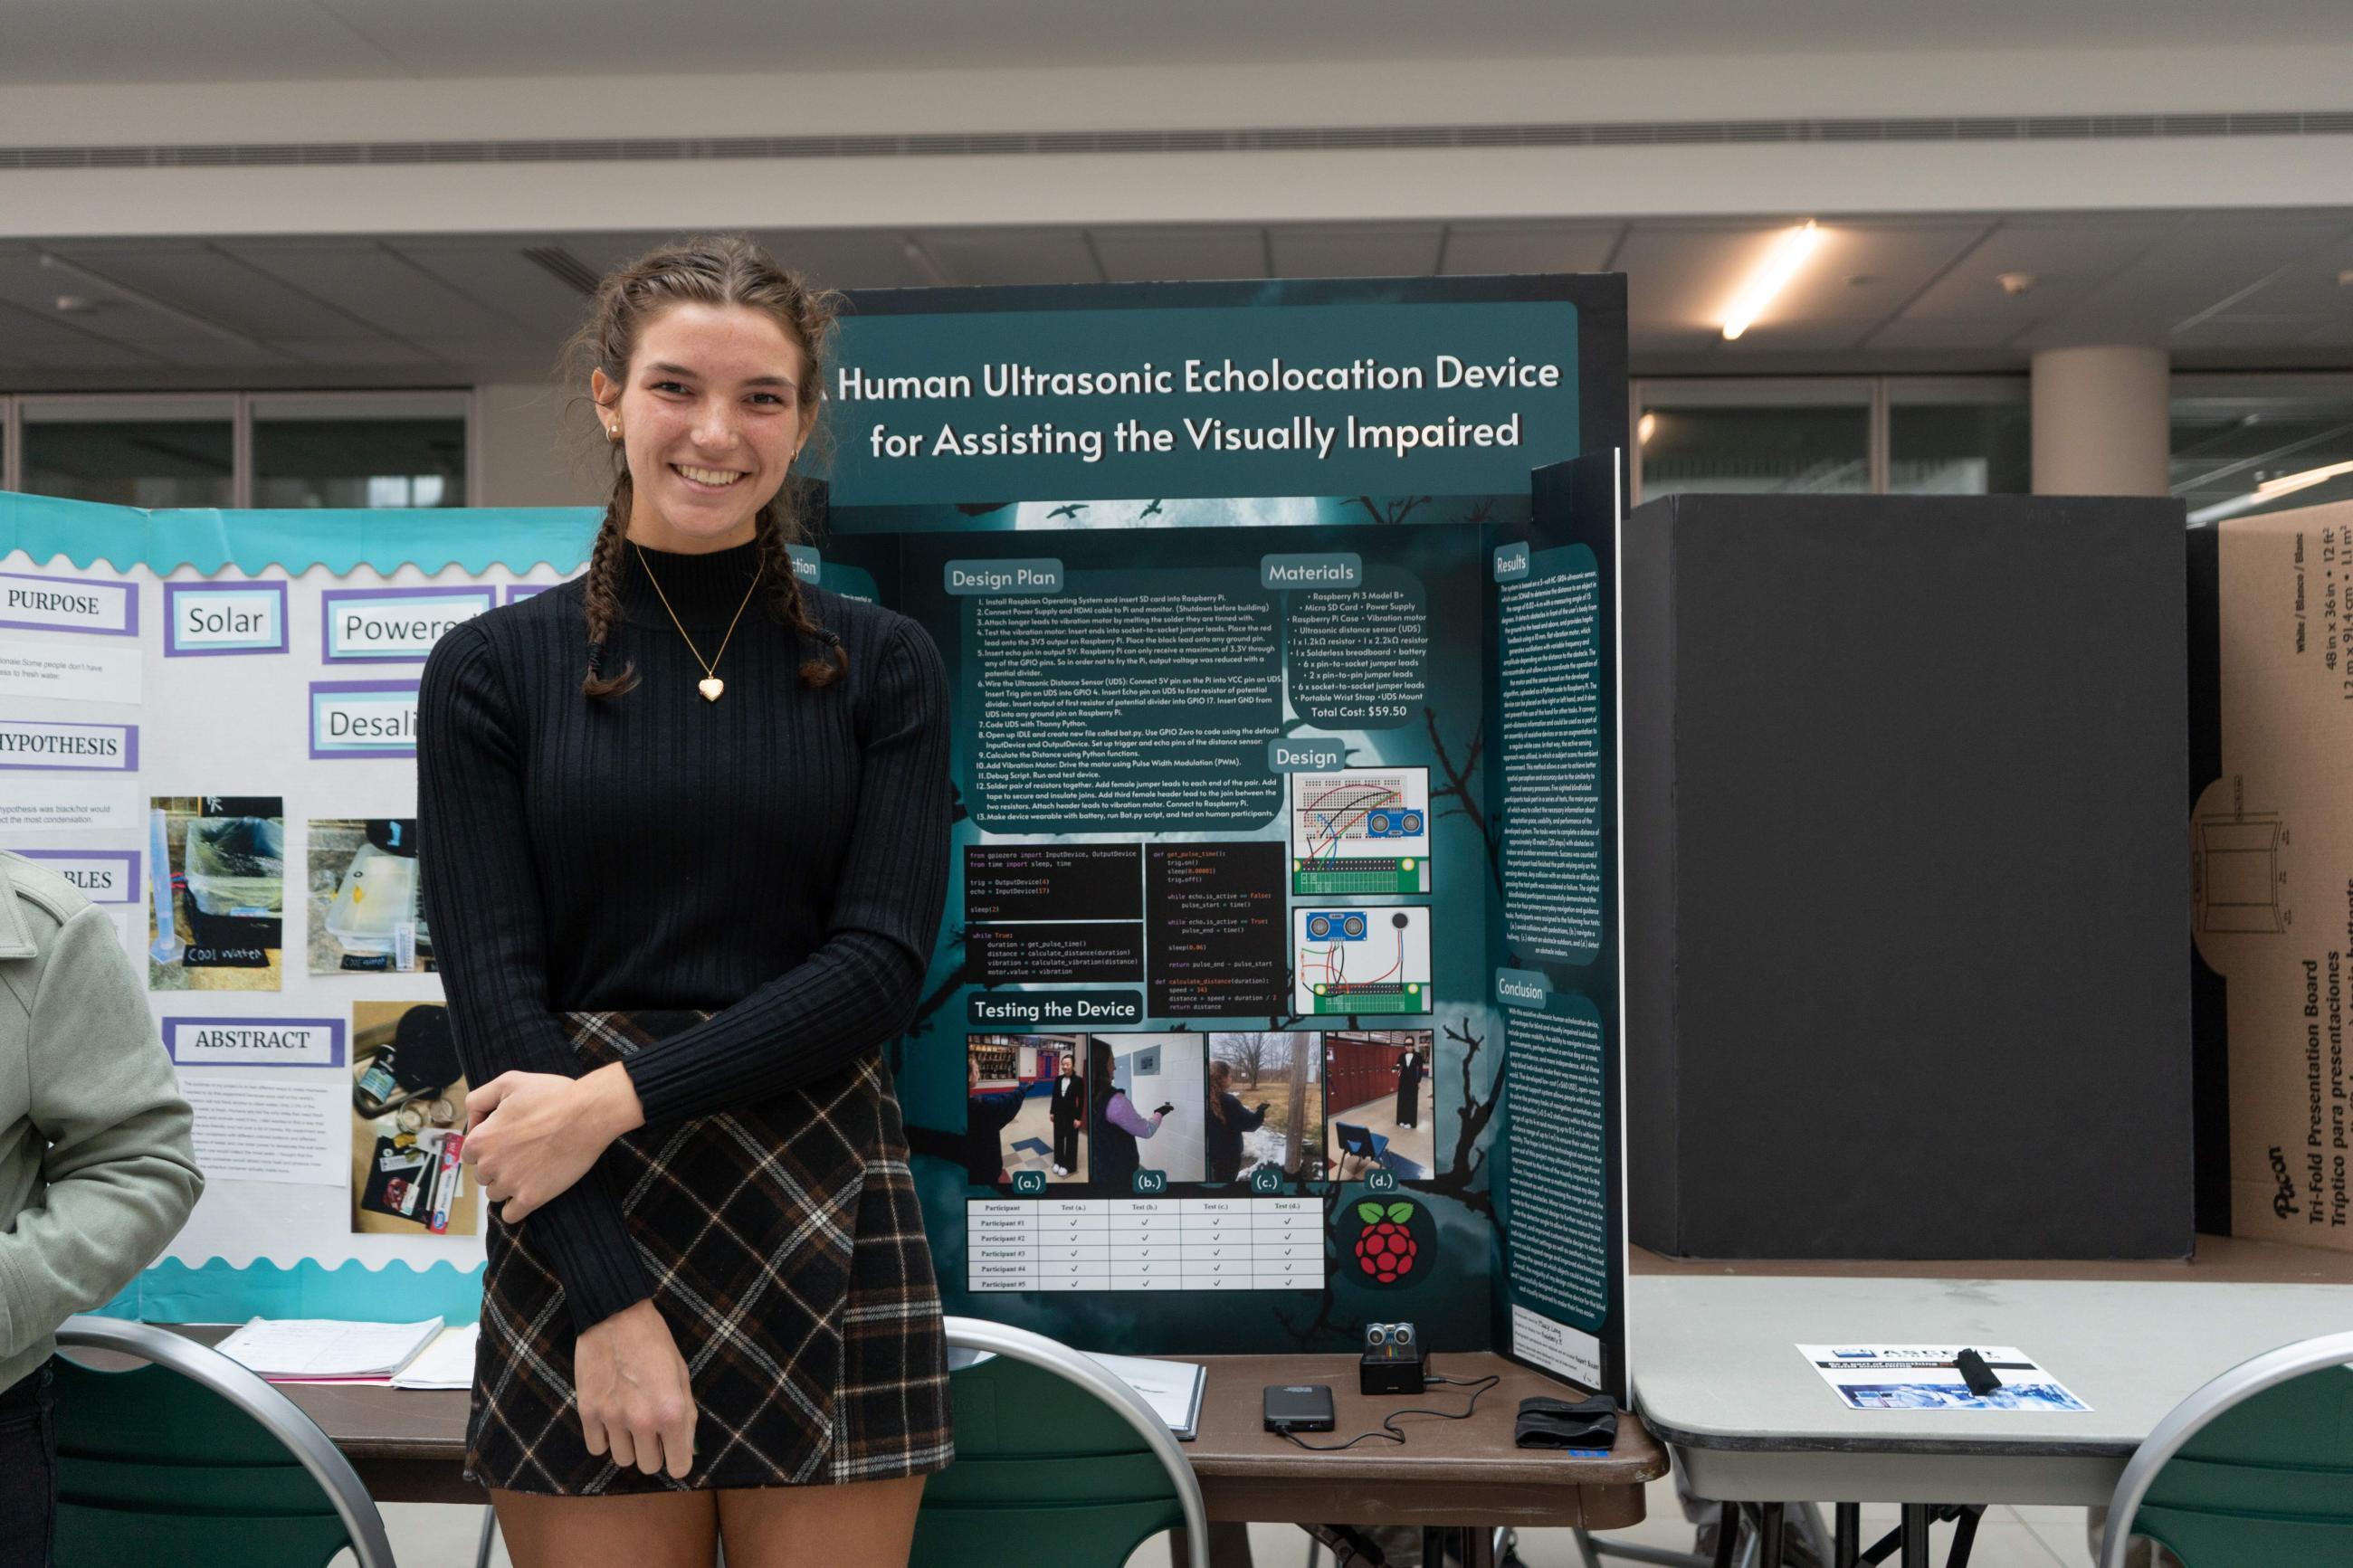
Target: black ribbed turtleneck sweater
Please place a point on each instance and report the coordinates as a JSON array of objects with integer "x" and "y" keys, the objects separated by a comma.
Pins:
[{"x": 779, "y": 855}]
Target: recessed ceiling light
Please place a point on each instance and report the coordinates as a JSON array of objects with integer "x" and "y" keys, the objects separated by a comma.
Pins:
[
  {"x": 2016, "y": 283},
  {"x": 2345, "y": 279},
  {"x": 1780, "y": 265},
  {"x": 76, "y": 304},
  {"x": 1644, "y": 427}
]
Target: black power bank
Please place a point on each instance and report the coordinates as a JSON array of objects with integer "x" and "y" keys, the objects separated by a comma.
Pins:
[{"x": 1299, "y": 1407}]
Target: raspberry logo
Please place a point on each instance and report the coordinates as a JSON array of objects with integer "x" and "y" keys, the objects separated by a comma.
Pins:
[{"x": 1385, "y": 1248}]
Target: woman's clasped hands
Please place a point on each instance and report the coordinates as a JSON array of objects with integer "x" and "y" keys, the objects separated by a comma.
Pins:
[{"x": 530, "y": 1135}]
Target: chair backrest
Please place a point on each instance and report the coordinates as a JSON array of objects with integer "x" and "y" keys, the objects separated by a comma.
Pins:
[
  {"x": 1057, "y": 1461},
  {"x": 195, "y": 1461},
  {"x": 2254, "y": 1470}
]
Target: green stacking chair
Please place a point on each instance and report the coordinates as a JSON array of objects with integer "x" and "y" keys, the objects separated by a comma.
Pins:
[
  {"x": 193, "y": 1461},
  {"x": 1057, "y": 1461},
  {"x": 2254, "y": 1470}
]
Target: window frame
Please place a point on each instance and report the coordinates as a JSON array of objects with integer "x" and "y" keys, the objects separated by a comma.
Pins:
[
  {"x": 1877, "y": 395},
  {"x": 440, "y": 400}
]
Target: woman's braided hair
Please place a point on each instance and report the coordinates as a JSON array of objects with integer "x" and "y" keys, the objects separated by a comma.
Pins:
[{"x": 712, "y": 269}]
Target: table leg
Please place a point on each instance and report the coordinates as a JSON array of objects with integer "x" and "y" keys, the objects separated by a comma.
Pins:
[
  {"x": 1848, "y": 1532},
  {"x": 1964, "y": 1537},
  {"x": 1727, "y": 1533},
  {"x": 1915, "y": 1535},
  {"x": 1770, "y": 1526},
  {"x": 1230, "y": 1545}
]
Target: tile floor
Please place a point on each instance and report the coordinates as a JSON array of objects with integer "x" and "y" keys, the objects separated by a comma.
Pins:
[
  {"x": 1028, "y": 1141},
  {"x": 1408, "y": 1152},
  {"x": 425, "y": 1536}
]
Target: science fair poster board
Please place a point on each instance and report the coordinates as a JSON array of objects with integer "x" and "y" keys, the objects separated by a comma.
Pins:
[{"x": 1284, "y": 716}]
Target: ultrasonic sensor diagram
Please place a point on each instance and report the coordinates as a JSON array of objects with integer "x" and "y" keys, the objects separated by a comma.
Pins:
[
  {"x": 1361, "y": 960},
  {"x": 1359, "y": 831}
]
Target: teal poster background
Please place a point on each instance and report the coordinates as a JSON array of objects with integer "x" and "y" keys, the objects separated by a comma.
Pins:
[{"x": 918, "y": 514}]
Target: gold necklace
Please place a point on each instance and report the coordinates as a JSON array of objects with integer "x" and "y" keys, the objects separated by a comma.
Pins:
[{"x": 710, "y": 686}]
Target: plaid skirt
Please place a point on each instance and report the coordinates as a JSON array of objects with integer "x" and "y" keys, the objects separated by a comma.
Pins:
[{"x": 786, "y": 1248}]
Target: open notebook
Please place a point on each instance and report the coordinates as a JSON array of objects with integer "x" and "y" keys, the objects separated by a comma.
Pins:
[
  {"x": 1173, "y": 1388},
  {"x": 320, "y": 1350}
]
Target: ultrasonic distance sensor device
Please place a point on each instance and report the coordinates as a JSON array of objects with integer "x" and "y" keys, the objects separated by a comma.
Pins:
[{"x": 1392, "y": 1361}]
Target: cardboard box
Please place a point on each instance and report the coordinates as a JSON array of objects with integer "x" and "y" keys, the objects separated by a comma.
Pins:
[
  {"x": 1908, "y": 914},
  {"x": 2272, "y": 862}
]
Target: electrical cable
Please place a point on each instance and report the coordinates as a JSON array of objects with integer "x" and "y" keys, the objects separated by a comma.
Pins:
[{"x": 1388, "y": 1433}]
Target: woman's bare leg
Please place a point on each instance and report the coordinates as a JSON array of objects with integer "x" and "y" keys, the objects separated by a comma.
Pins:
[
  {"x": 866, "y": 1524},
  {"x": 636, "y": 1529}
]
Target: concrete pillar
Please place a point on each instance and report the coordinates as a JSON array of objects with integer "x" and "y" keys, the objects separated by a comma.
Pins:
[{"x": 2100, "y": 423}]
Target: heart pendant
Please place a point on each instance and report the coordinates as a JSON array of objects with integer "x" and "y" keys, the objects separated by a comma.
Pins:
[{"x": 711, "y": 688}]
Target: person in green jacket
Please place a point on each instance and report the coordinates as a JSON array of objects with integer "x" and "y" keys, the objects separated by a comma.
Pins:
[{"x": 96, "y": 1168}]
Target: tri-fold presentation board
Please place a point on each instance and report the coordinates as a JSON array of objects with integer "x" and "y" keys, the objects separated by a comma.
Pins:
[{"x": 1278, "y": 990}]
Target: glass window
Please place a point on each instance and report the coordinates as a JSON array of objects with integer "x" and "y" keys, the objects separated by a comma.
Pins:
[
  {"x": 381, "y": 449},
  {"x": 2254, "y": 443},
  {"x": 1959, "y": 437},
  {"x": 147, "y": 452},
  {"x": 1755, "y": 436}
]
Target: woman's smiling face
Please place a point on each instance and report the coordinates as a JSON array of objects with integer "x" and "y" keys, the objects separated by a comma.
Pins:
[{"x": 713, "y": 411}]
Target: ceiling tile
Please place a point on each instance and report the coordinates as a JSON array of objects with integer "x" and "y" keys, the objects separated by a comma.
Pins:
[
  {"x": 214, "y": 285},
  {"x": 849, "y": 259},
  {"x": 1472, "y": 249},
  {"x": 1397, "y": 250},
  {"x": 1012, "y": 256},
  {"x": 2207, "y": 265},
  {"x": 501, "y": 277},
  {"x": 1868, "y": 271},
  {"x": 371, "y": 283},
  {"x": 370, "y": 351},
  {"x": 2310, "y": 283},
  {"x": 2066, "y": 257},
  {"x": 1139, "y": 255},
  {"x": 1682, "y": 274}
]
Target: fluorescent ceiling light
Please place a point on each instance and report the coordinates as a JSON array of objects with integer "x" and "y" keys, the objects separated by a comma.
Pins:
[
  {"x": 2269, "y": 490},
  {"x": 1787, "y": 255},
  {"x": 2288, "y": 483}
]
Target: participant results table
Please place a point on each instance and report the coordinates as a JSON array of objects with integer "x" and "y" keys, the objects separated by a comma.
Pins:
[{"x": 1144, "y": 1244}]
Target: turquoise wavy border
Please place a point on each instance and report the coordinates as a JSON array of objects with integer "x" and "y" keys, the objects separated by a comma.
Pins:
[
  {"x": 208, "y": 539},
  {"x": 217, "y": 1291}
]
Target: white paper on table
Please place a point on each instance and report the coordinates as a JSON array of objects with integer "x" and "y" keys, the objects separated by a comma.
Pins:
[
  {"x": 70, "y": 802},
  {"x": 271, "y": 1124},
  {"x": 447, "y": 1362},
  {"x": 1173, "y": 1388},
  {"x": 291, "y": 1348},
  {"x": 70, "y": 672},
  {"x": 1923, "y": 1377}
]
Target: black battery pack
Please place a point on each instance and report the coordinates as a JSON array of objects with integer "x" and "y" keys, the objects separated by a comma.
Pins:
[{"x": 1299, "y": 1407}]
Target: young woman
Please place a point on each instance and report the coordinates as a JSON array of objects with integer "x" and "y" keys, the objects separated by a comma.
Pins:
[
  {"x": 1227, "y": 1121},
  {"x": 1410, "y": 1071},
  {"x": 684, "y": 832},
  {"x": 1118, "y": 1124}
]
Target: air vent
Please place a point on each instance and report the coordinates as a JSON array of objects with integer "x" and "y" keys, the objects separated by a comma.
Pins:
[
  {"x": 561, "y": 264},
  {"x": 1322, "y": 139}
]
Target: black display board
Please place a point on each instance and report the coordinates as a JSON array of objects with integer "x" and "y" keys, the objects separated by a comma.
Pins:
[{"x": 1908, "y": 895}]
